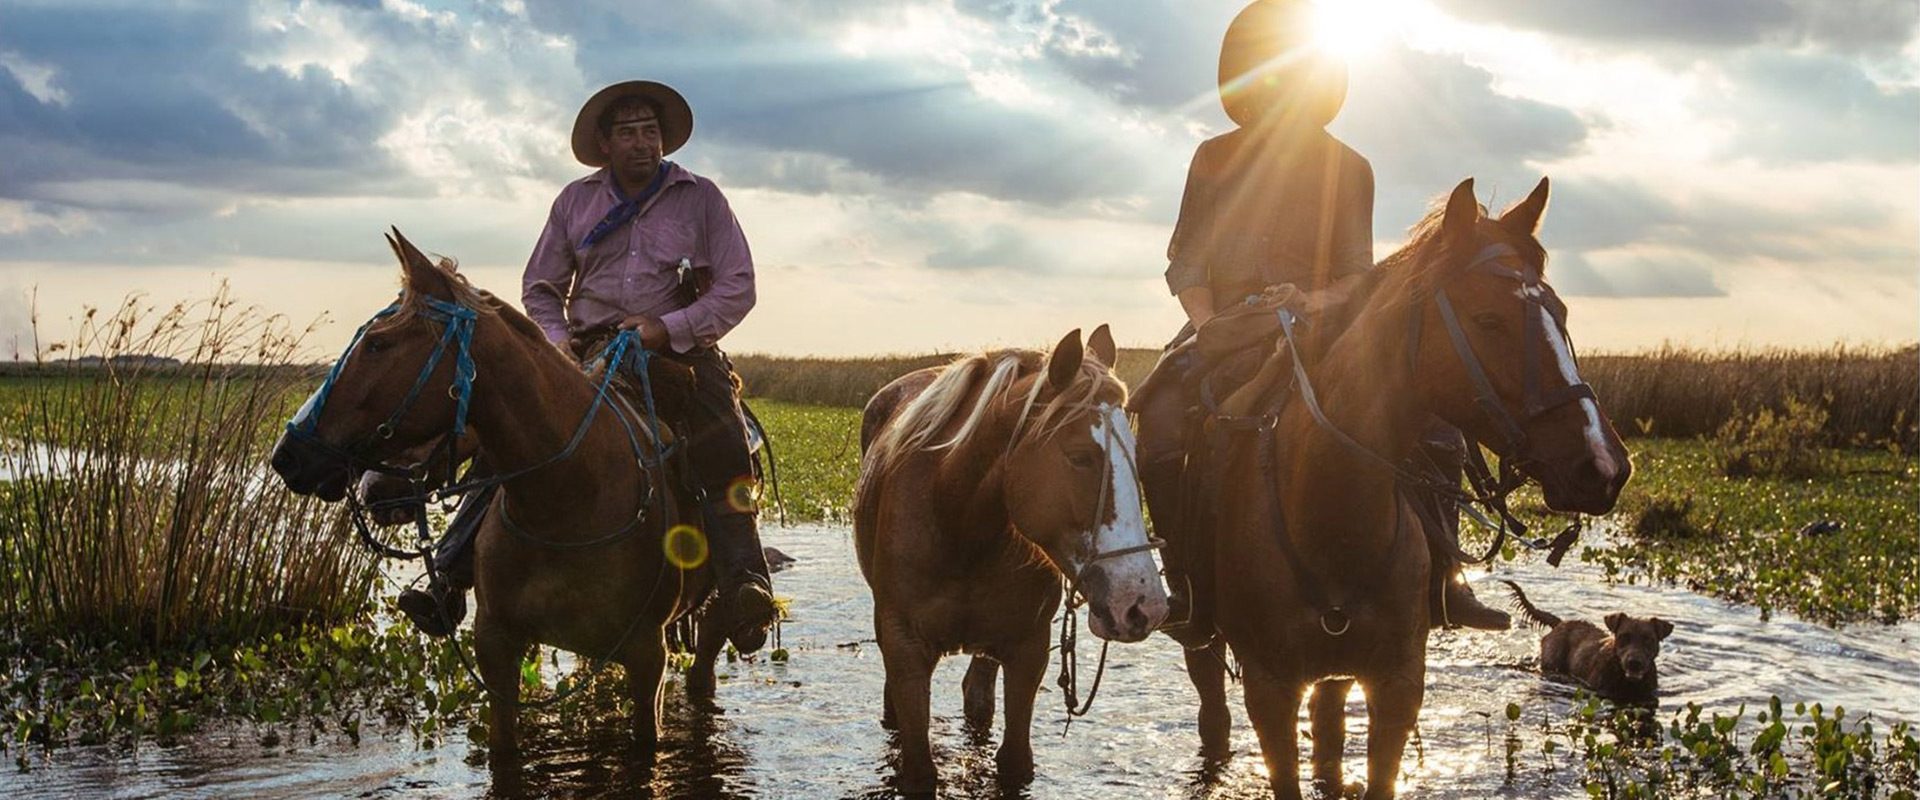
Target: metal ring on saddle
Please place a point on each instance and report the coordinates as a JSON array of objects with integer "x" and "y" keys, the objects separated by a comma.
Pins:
[{"x": 1346, "y": 622}]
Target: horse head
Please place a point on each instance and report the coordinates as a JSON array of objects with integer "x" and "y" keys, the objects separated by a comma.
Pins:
[
  {"x": 1072, "y": 489},
  {"x": 404, "y": 382},
  {"x": 1491, "y": 353}
]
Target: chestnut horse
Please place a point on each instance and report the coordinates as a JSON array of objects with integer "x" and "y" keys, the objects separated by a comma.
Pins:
[
  {"x": 984, "y": 484},
  {"x": 1321, "y": 570},
  {"x": 570, "y": 553}
]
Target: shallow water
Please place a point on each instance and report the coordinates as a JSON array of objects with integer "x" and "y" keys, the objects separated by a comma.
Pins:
[{"x": 810, "y": 727}]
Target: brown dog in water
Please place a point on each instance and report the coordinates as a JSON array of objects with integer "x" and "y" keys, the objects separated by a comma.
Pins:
[{"x": 1616, "y": 663}]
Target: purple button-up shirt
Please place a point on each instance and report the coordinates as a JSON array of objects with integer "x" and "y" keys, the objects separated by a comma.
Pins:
[{"x": 635, "y": 269}]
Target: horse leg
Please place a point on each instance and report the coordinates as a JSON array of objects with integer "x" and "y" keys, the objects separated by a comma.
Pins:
[
  {"x": 646, "y": 667},
  {"x": 708, "y": 639},
  {"x": 498, "y": 653},
  {"x": 909, "y": 667},
  {"x": 1207, "y": 669},
  {"x": 1328, "y": 710},
  {"x": 1393, "y": 707},
  {"x": 1026, "y": 667},
  {"x": 976, "y": 691},
  {"x": 1273, "y": 705}
]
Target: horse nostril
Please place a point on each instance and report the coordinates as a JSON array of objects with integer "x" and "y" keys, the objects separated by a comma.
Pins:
[{"x": 1137, "y": 619}]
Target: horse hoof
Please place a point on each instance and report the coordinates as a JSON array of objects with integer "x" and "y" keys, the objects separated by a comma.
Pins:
[
  {"x": 915, "y": 785},
  {"x": 1016, "y": 767}
]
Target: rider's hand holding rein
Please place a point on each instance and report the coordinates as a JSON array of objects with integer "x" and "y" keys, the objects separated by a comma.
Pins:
[{"x": 653, "y": 332}]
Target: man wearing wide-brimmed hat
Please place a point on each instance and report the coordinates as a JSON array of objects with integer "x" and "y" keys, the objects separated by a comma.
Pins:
[
  {"x": 646, "y": 245},
  {"x": 1275, "y": 207}
]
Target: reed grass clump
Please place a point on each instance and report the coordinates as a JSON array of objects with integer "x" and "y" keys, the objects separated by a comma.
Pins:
[{"x": 135, "y": 502}]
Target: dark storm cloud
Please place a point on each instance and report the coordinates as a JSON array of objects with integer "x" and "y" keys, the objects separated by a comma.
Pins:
[
  {"x": 160, "y": 94},
  {"x": 1852, "y": 25}
]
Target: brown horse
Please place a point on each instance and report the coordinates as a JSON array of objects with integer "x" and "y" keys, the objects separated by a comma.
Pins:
[
  {"x": 570, "y": 553},
  {"x": 1321, "y": 571},
  {"x": 985, "y": 482}
]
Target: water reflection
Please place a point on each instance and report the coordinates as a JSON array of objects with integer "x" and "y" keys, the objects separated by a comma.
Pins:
[{"x": 810, "y": 727}]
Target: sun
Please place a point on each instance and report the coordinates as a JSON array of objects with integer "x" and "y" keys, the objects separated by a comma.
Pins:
[{"x": 1351, "y": 28}]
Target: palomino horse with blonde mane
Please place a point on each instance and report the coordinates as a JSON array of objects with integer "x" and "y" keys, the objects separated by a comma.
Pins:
[
  {"x": 1320, "y": 571},
  {"x": 984, "y": 484},
  {"x": 570, "y": 553}
]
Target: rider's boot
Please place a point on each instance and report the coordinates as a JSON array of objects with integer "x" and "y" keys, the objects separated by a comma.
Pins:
[
  {"x": 740, "y": 567},
  {"x": 438, "y": 609},
  {"x": 1189, "y": 618},
  {"x": 1451, "y": 602}
]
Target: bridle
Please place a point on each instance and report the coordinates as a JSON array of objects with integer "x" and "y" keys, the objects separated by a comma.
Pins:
[
  {"x": 1068, "y": 680},
  {"x": 456, "y": 335},
  {"x": 1535, "y": 401}
]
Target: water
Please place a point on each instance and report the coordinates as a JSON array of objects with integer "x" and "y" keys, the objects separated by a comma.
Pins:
[{"x": 810, "y": 727}]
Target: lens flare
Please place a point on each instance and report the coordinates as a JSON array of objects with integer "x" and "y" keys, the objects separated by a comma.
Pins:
[
  {"x": 1349, "y": 29},
  {"x": 743, "y": 495},
  {"x": 685, "y": 546}
]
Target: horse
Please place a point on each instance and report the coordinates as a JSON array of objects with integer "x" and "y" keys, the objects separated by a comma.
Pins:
[
  {"x": 572, "y": 551},
  {"x": 984, "y": 484},
  {"x": 1319, "y": 570}
]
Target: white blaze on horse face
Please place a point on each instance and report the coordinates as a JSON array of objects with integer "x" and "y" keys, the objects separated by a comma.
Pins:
[
  {"x": 1594, "y": 431},
  {"x": 1133, "y": 577}
]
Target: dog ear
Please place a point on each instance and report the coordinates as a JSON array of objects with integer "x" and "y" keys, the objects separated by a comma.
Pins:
[
  {"x": 1615, "y": 620},
  {"x": 1664, "y": 627}
]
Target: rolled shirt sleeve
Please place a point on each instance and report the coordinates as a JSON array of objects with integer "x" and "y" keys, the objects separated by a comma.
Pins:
[
  {"x": 545, "y": 285},
  {"x": 723, "y": 249}
]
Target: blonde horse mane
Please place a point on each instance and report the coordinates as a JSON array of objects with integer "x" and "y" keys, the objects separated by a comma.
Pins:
[{"x": 992, "y": 376}]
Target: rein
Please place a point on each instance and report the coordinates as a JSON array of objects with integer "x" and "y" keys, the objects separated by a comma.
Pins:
[
  {"x": 459, "y": 322},
  {"x": 1487, "y": 490}
]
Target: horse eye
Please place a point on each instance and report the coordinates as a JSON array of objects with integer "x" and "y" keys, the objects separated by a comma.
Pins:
[
  {"x": 1082, "y": 460},
  {"x": 1490, "y": 322},
  {"x": 374, "y": 345}
]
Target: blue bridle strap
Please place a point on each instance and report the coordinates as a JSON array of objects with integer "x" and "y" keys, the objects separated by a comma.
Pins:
[{"x": 456, "y": 334}]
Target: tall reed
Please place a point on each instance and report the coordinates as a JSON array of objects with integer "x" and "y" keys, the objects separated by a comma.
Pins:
[{"x": 136, "y": 503}]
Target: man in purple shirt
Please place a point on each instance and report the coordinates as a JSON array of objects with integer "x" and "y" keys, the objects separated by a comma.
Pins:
[{"x": 644, "y": 244}]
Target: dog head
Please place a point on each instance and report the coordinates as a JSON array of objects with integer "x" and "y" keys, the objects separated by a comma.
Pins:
[{"x": 1637, "y": 643}]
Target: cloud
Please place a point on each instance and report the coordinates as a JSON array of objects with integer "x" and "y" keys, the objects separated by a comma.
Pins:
[
  {"x": 1797, "y": 107},
  {"x": 1851, "y": 26},
  {"x": 1632, "y": 276}
]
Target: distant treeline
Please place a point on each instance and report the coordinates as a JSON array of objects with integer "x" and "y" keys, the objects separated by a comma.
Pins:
[{"x": 1872, "y": 394}]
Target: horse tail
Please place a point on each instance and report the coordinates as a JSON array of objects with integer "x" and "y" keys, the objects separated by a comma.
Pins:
[{"x": 1534, "y": 615}]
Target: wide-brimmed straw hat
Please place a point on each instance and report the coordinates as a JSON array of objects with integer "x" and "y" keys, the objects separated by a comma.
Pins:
[{"x": 676, "y": 118}]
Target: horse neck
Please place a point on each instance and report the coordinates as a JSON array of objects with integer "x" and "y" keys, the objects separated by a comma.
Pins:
[
  {"x": 970, "y": 480},
  {"x": 1366, "y": 390},
  {"x": 534, "y": 420}
]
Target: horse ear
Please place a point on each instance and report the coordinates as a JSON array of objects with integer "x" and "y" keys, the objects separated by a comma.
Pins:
[
  {"x": 1524, "y": 217},
  {"x": 1063, "y": 364},
  {"x": 1100, "y": 345},
  {"x": 1615, "y": 620},
  {"x": 420, "y": 273},
  {"x": 1458, "y": 223}
]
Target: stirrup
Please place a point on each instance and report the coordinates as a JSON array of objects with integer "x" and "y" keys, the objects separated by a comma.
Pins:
[{"x": 1182, "y": 630}]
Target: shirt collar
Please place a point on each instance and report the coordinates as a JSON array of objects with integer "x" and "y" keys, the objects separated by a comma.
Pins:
[{"x": 675, "y": 174}]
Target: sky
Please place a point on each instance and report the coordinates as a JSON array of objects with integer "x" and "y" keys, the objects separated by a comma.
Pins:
[{"x": 937, "y": 175}]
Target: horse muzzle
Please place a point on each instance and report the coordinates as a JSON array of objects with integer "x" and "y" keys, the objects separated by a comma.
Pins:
[
  {"x": 308, "y": 467},
  {"x": 1590, "y": 485},
  {"x": 1126, "y": 601}
]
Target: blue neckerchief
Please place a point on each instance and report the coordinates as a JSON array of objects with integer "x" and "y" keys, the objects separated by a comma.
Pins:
[{"x": 628, "y": 207}]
